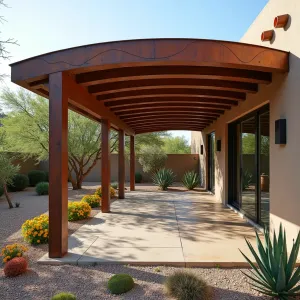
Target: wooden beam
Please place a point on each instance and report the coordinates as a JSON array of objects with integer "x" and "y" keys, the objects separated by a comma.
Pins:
[
  {"x": 209, "y": 85},
  {"x": 171, "y": 115},
  {"x": 58, "y": 166},
  {"x": 105, "y": 163},
  {"x": 162, "y": 110},
  {"x": 157, "y": 129},
  {"x": 204, "y": 93},
  {"x": 137, "y": 107},
  {"x": 179, "y": 72},
  {"x": 156, "y": 108},
  {"x": 171, "y": 100},
  {"x": 132, "y": 163},
  {"x": 81, "y": 101},
  {"x": 121, "y": 167},
  {"x": 161, "y": 121}
]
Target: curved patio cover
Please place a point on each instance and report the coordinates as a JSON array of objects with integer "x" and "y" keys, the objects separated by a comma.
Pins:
[{"x": 157, "y": 84}]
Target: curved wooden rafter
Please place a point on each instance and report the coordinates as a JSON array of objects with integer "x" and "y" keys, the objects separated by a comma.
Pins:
[{"x": 139, "y": 80}]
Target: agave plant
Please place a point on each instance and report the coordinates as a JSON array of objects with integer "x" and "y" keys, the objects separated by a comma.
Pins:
[
  {"x": 190, "y": 180},
  {"x": 274, "y": 274},
  {"x": 163, "y": 178}
]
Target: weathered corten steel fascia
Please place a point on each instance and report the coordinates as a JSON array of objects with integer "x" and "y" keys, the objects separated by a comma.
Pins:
[{"x": 188, "y": 51}]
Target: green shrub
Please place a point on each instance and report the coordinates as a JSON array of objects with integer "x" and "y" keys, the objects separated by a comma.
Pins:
[
  {"x": 190, "y": 180},
  {"x": 187, "y": 286},
  {"x": 152, "y": 158},
  {"x": 120, "y": 283},
  {"x": 36, "y": 176},
  {"x": 64, "y": 296},
  {"x": 276, "y": 275},
  {"x": 19, "y": 183},
  {"x": 92, "y": 200},
  {"x": 47, "y": 176},
  {"x": 138, "y": 177},
  {"x": 1, "y": 191},
  {"x": 163, "y": 178},
  {"x": 42, "y": 188},
  {"x": 114, "y": 185},
  {"x": 78, "y": 210}
]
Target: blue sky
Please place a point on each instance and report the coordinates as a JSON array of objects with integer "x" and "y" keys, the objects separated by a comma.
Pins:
[{"x": 43, "y": 26}]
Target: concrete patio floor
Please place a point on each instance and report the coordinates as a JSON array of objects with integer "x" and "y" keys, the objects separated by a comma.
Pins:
[{"x": 161, "y": 228}]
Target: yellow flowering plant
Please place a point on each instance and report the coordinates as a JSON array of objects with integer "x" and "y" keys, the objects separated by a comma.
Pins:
[
  {"x": 78, "y": 210},
  {"x": 99, "y": 192},
  {"x": 11, "y": 251},
  {"x": 36, "y": 231},
  {"x": 92, "y": 200}
]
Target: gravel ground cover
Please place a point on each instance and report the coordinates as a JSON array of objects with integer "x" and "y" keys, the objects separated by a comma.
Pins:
[{"x": 90, "y": 282}]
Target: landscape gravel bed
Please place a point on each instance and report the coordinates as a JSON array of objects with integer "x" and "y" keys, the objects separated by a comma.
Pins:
[{"x": 90, "y": 282}]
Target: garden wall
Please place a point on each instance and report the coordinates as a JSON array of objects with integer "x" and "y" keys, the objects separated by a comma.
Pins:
[{"x": 179, "y": 163}]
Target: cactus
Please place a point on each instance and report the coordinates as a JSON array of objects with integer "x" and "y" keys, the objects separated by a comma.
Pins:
[
  {"x": 190, "y": 180},
  {"x": 274, "y": 274},
  {"x": 15, "y": 267}
]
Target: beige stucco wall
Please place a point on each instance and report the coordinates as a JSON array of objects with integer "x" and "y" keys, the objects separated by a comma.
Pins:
[
  {"x": 179, "y": 163},
  {"x": 283, "y": 94}
]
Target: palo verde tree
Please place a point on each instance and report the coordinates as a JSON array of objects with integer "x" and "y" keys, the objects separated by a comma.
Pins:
[
  {"x": 7, "y": 172},
  {"x": 26, "y": 131},
  {"x": 4, "y": 42},
  {"x": 176, "y": 145},
  {"x": 26, "y": 128}
]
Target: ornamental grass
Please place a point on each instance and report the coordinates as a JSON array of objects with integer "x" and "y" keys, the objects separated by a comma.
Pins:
[
  {"x": 112, "y": 192},
  {"x": 78, "y": 210},
  {"x": 11, "y": 251},
  {"x": 36, "y": 231},
  {"x": 92, "y": 200}
]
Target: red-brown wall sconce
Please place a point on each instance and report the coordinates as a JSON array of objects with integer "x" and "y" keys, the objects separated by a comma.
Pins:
[
  {"x": 281, "y": 21},
  {"x": 267, "y": 35}
]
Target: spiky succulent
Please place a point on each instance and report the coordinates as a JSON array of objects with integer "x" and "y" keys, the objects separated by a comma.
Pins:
[
  {"x": 190, "y": 180},
  {"x": 275, "y": 274},
  {"x": 163, "y": 178}
]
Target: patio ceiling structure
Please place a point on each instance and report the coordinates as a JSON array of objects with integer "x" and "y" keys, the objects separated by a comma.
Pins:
[{"x": 135, "y": 87}]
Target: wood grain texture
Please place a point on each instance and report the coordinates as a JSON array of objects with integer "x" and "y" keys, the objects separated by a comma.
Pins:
[{"x": 58, "y": 166}]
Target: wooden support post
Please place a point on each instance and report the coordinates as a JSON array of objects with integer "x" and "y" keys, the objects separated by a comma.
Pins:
[
  {"x": 105, "y": 161},
  {"x": 132, "y": 164},
  {"x": 121, "y": 164},
  {"x": 58, "y": 166}
]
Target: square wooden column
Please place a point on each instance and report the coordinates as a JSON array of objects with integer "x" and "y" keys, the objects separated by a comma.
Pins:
[
  {"x": 105, "y": 161},
  {"x": 121, "y": 164},
  {"x": 132, "y": 164},
  {"x": 58, "y": 166}
]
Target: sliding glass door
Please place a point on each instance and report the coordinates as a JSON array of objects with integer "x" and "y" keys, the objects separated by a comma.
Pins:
[
  {"x": 248, "y": 161},
  {"x": 211, "y": 162}
]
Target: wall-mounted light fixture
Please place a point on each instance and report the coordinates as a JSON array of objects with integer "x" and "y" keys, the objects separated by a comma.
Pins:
[
  {"x": 219, "y": 145},
  {"x": 201, "y": 149},
  {"x": 280, "y": 132},
  {"x": 281, "y": 21},
  {"x": 267, "y": 35}
]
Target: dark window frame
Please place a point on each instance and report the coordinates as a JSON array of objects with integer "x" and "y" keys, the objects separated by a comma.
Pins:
[{"x": 232, "y": 161}]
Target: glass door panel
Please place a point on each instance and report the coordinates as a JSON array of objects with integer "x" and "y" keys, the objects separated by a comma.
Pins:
[
  {"x": 248, "y": 167},
  {"x": 264, "y": 168},
  {"x": 211, "y": 162}
]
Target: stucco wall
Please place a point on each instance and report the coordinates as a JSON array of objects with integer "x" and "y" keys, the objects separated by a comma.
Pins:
[
  {"x": 179, "y": 163},
  {"x": 283, "y": 96}
]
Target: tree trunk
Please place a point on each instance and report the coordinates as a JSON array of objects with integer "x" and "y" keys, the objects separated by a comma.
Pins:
[
  {"x": 79, "y": 180},
  {"x": 76, "y": 183},
  {"x": 7, "y": 196}
]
